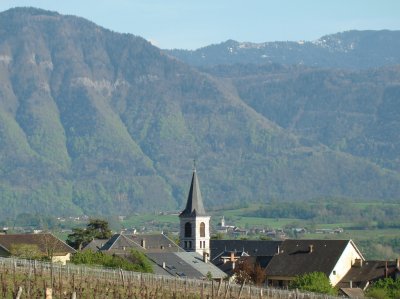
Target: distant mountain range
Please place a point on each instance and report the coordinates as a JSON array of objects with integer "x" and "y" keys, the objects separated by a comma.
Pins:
[
  {"x": 346, "y": 50},
  {"x": 97, "y": 122}
]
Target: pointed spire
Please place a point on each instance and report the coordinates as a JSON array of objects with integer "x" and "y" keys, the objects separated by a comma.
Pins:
[{"x": 194, "y": 204}]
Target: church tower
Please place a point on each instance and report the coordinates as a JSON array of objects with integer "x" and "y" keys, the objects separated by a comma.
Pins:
[{"x": 194, "y": 222}]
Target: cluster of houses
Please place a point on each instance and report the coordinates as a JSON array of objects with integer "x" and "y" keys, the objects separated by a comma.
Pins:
[
  {"x": 235, "y": 231},
  {"x": 199, "y": 256},
  {"x": 276, "y": 233}
]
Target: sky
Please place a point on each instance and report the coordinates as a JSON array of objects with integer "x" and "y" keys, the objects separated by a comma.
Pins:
[{"x": 189, "y": 24}]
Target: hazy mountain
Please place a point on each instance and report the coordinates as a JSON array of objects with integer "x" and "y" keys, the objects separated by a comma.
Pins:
[
  {"x": 104, "y": 123},
  {"x": 346, "y": 50}
]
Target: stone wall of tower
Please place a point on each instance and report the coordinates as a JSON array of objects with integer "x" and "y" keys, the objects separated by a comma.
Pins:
[{"x": 195, "y": 242}]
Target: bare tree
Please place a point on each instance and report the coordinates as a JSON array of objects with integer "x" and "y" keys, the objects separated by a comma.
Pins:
[
  {"x": 50, "y": 245},
  {"x": 248, "y": 271}
]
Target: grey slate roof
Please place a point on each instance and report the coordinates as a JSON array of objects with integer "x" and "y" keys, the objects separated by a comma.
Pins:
[
  {"x": 251, "y": 247},
  {"x": 194, "y": 204},
  {"x": 183, "y": 264},
  {"x": 152, "y": 243},
  {"x": 369, "y": 271},
  {"x": 196, "y": 260},
  {"x": 95, "y": 244},
  {"x": 155, "y": 242},
  {"x": 296, "y": 259},
  {"x": 119, "y": 242}
]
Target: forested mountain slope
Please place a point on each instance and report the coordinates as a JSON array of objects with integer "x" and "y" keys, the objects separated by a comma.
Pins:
[
  {"x": 357, "y": 112},
  {"x": 97, "y": 122}
]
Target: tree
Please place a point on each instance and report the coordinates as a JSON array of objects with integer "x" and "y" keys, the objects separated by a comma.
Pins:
[
  {"x": 139, "y": 258},
  {"x": 95, "y": 229},
  {"x": 246, "y": 271},
  {"x": 243, "y": 271},
  {"x": 316, "y": 282},
  {"x": 79, "y": 238},
  {"x": 26, "y": 251},
  {"x": 49, "y": 244},
  {"x": 209, "y": 276},
  {"x": 385, "y": 288},
  {"x": 134, "y": 261},
  {"x": 258, "y": 275},
  {"x": 99, "y": 228}
]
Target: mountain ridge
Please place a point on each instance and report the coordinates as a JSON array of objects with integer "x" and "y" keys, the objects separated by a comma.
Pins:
[{"x": 354, "y": 49}]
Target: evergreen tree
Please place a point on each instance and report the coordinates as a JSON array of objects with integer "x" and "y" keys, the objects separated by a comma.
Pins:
[{"x": 95, "y": 229}]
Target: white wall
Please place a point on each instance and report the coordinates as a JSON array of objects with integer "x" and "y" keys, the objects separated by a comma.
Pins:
[
  {"x": 63, "y": 259},
  {"x": 344, "y": 263},
  {"x": 196, "y": 239}
]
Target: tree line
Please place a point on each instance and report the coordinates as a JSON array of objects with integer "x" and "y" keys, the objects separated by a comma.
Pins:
[{"x": 333, "y": 211}]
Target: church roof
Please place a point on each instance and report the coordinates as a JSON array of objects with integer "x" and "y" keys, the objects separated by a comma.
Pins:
[{"x": 194, "y": 204}]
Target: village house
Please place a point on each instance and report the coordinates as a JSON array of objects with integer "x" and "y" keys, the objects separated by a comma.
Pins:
[
  {"x": 46, "y": 244},
  {"x": 297, "y": 257},
  {"x": 363, "y": 273}
]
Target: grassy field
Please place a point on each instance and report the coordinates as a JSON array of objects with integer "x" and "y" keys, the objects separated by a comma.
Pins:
[{"x": 141, "y": 219}]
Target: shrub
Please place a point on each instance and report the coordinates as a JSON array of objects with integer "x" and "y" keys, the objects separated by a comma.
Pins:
[
  {"x": 316, "y": 282},
  {"x": 135, "y": 261}
]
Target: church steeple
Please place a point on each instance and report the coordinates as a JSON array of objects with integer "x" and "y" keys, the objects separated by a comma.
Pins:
[
  {"x": 194, "y": 222},
  {"x": 194, "y": 204}
]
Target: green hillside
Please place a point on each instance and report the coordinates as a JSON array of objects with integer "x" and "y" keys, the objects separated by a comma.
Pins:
[{"x": 97, "y": 122}]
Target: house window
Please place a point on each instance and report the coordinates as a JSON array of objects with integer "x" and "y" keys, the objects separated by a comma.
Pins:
[
  {"x": 185, "y": 244},
  {"x": 201, "y": 244},
  {"x": 334, "y": 272},
  {"x": 202, "y": 229},
  {"x": 188, "y": 230},
  {"x": 204, "y": 244},
  {"x": 190, "y": 244}
]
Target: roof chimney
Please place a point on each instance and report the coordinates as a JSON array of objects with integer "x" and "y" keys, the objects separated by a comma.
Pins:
[
  {"x": 163, "y": 265},
  {"x": 310, "y": 248},
  {"x": 143, "y": 243},
  {"x": 351, "y": 284},
  {"x": 232, "y": 259},
  {"x": 278, "y": 250},
  {"x": 205, "y": 257},
  {"x": 398, "y": 263},
  {"x": 358, "y": 263}
]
